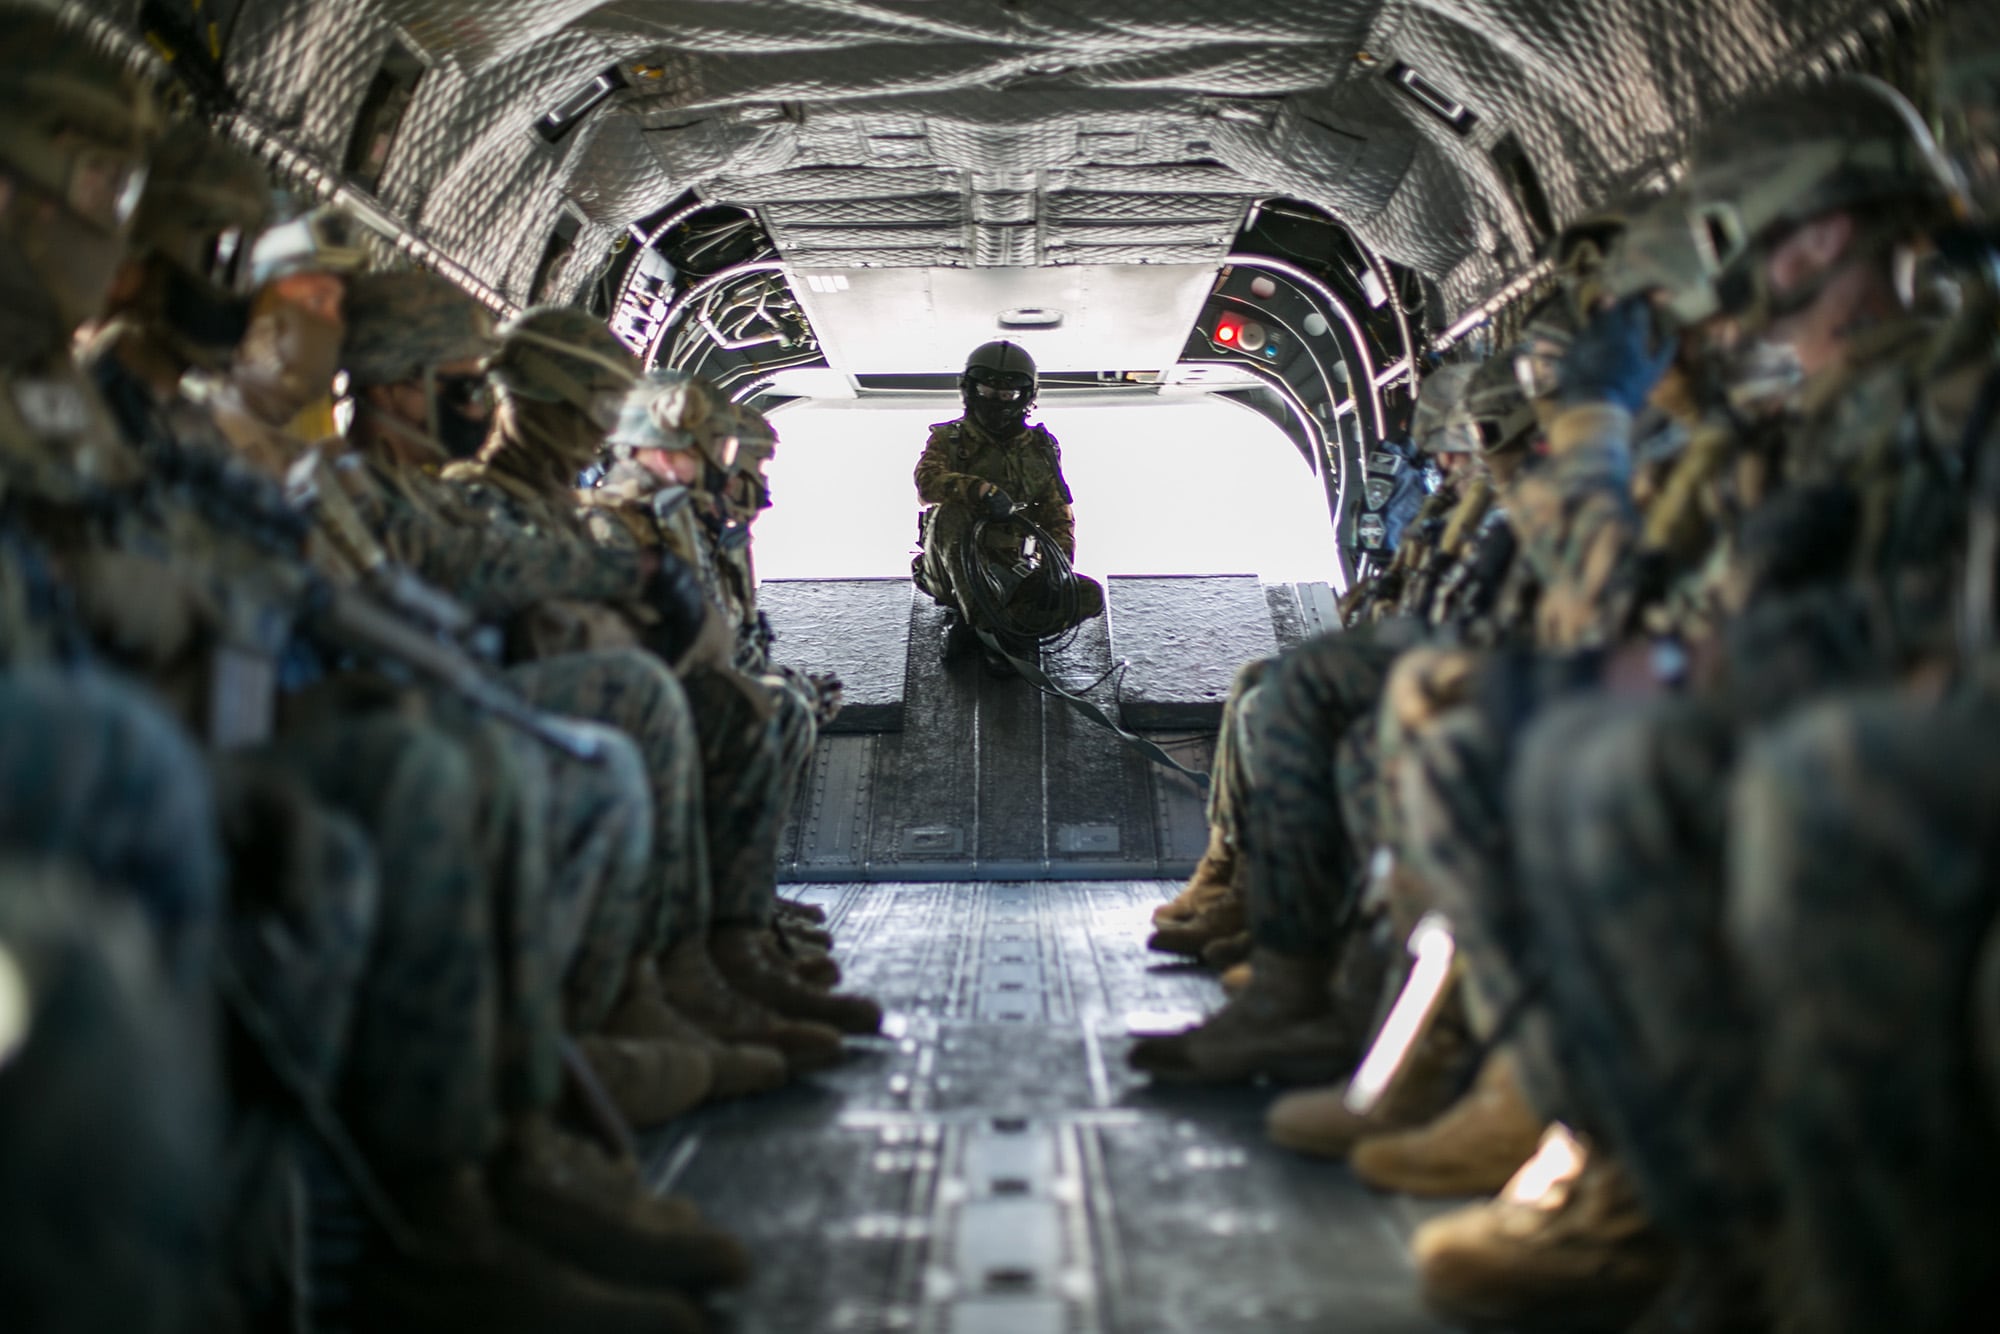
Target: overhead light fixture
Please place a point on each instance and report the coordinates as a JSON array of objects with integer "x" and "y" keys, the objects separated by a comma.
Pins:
[{"x": 565, "y": 115}]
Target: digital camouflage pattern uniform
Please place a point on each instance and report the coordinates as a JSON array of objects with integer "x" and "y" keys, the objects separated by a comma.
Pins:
[
  {"x": 109, "y": 1118},
  {"x": 634, "y": 508},
  {"x": 716, "y": 813},
  {"x": 1861, "y": 886}
]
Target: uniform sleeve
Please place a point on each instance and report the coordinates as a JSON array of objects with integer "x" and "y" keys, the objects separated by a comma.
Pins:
[
  {"x": 499, "y": 570},
  {"x": 1051, "y": 506},
  {"x": 937, "y": 482},
  {"x": 1576, "y": 524}
]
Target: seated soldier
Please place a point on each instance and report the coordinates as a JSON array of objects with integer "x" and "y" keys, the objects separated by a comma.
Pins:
[{"x": 998, "y": 502}]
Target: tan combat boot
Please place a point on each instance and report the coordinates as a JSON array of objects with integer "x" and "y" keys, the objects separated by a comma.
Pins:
[
  {"x": 594, "y": 1211},
  {"x": 1318, "y": 1122},
  {"x": 1235, "y": 978},
  {"x": 1472, "y": 1149},
  {"x": 748, "y": 961},
  {"x": 737, "y": 1068},
  {"x": 690, "y": 983},
  {"x": 649, "y": 1080},
  {"x": 1210, "y": 881},
  {"x": 1564, "y": 1246},
  {"x": 472, "y": 1272},
  {"x": 1284, "y": 1024},
  {"x": 797, "y": 910},
  {"x": 813, "y": 964},
  {"x": 1223, "y": 955}
]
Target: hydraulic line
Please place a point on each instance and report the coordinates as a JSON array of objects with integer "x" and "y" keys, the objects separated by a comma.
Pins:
[{"x": 989, "y": 597}]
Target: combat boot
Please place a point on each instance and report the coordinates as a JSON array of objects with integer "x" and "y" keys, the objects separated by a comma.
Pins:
[
  {"x": 652, "y": 1080},
  {"x": 1474, "y": 1148},
  {"x": 1219, "y": 918},
  {"x": 738, "y": 1068},
  {"x": 801, "y": 932},
  {"x": 1284, "y": 1024},
  {"x": 799, "y": 911},
  {"x": 959, "y": 639},
  {"x": 1319, "y": 1122},
  {"x": 1235, "y": 978},
  {"x": 1223, "y": 955},
  {"x": 594, "y": 1212},
  {"x": 809, "y": 962},
  {"x": 1210, "y": 881},
  {"x": 1565, "y": 1246},
  {"x": 690, "y": 983},
  {"x": 745, "y": 957},
  {"x": 471, "y": 1272}
]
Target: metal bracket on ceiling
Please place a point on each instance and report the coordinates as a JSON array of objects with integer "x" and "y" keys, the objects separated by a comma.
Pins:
[{"x": 300, "y": 166}]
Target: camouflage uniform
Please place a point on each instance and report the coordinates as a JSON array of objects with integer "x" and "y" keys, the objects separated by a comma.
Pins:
[
  {"x": 1304, "y": 840},
  {"x": 715, "y": 856},
  {"x": 1861, "y": 884},
  {"x": 1028, "y": 467},
  {"x": 635, "y": 508},
  {"x": 109, "y": 1125}
]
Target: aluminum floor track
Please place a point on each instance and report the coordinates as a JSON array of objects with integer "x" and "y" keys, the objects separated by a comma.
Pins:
[{"x": 990, "y": 1166}]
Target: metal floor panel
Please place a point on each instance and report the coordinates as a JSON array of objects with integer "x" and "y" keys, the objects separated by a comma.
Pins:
[
  {"x": 990, "y": 1166},
  {"x": 991, "y": 780}
]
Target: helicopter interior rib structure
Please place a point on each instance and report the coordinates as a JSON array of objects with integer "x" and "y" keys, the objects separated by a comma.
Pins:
[{"x": 1285, "y": 204}]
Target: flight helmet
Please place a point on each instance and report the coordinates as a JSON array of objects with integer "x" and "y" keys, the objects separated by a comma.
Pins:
[{"x": 998, "y": 386}]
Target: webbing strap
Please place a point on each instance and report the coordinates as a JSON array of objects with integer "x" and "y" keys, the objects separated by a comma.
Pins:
[{"x": 1033, "y": 674}]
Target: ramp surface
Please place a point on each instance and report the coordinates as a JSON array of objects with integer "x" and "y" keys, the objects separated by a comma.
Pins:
[{"x": 991, "y": 1166}]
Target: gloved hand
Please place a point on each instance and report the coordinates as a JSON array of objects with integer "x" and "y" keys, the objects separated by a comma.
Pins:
[
  {"x": 999, "y": 505},
  {"x": 676, "y": 596},
  {"x": 1613, "y": 360}
]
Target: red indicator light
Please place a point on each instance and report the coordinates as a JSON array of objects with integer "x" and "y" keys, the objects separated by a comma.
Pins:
[
  {"x": 1229, "y": 328},
  {"x": 1225, "y": 334}
]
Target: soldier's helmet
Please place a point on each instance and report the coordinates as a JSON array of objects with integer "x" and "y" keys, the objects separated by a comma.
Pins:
[
  {"x": 1850, "y": 143},
  {"x": 564, "y": 354},
  {"x": 1438, "y": 427},
  {"x": 999, "y": 385},
  {"x": 1660, "y": 256},
  {"x": 204, "y": 205},
  {"x": 1966, "y": 60},
  {"x": 401, "y": 325},
  {"x": 1536, "y": 361},
  {"x": 1493, "y": 410},
  {"x": 1580, "y": 250},
  {"x": 76, "y": 127},
  {"x": 666, "y": 410},
  {"x": 756, "y": 444}
]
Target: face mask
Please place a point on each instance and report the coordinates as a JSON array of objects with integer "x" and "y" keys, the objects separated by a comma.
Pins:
[
  {"x": 200, "y": 315},
  {"x": 460, "y": 433},
  {"x": 286, "y": 360},
  {"x": 556, "y": 435}
]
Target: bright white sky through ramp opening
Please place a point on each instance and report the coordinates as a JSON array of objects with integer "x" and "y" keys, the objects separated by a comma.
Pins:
[{"x": 1201, "y": 488}]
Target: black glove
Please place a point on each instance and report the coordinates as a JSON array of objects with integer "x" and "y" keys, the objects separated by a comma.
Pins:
[
  {"x": 675, "y": 594},
  {"x": 999, "y": 505},
  {"x": 1613, "y": 360}
]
